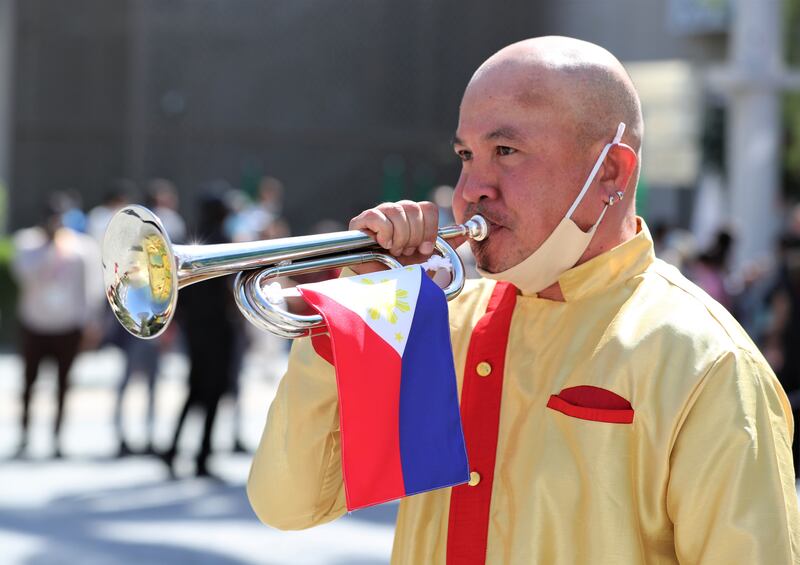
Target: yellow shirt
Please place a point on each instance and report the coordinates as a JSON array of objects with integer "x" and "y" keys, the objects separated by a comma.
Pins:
[{"x": 703, "y": 474}]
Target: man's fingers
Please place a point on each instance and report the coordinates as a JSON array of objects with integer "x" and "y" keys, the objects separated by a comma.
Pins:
[
  {"x": 375, "y": 221},
  {"x": 430, "y": 226},
  {"x": 404, "y": 228},
  {"x": 416, "y": 225},
  {"x": 400, "y": 229}
]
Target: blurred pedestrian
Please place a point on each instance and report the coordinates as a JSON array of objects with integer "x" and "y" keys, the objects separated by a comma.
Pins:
[
  {"x": 677, "y": 247},
  {"x": 710, "y": 270},
  {"x": 118, "y": 194},
  {"x": 73, "y": 217},
  {"x": 142, "y": 357},
  {"x": 270, "y": 198},
  {"x": 210, "y": 323},
  {"x": 261, "y": 219},
  {"x": 782, "y": 335},
  {"x": 162, "y": 199},
  {"x": 60, "y": 293}
]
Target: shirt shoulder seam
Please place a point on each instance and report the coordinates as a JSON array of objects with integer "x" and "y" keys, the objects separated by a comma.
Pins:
[{"x": 733, "y": 342}]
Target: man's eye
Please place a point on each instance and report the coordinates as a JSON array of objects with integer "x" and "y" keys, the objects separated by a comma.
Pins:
[
  {"x": 464, "y": 155},
  {"x": 503, "y": 150}
]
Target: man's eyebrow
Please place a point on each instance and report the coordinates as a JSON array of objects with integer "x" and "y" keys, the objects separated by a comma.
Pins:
[{"x": 503, "y": 132}]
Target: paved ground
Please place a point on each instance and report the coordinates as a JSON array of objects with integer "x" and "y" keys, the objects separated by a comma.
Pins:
[{"x": 92, "y": 508}]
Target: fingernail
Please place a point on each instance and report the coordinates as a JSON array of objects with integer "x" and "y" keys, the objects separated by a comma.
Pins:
[
  {"x": 426, "y": 248},
  {"x": 388, "y": 244}
]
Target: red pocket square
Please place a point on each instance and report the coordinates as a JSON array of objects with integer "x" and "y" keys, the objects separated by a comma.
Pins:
[{"x": 592, "y": 403}]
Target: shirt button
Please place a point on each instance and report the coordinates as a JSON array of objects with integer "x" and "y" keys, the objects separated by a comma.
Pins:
[
  {"x": 484, "y": 369},
  {"x": 474, "y": 478}
]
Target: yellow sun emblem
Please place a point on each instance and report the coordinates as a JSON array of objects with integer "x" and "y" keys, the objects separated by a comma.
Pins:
[{"x": 389, "y": 305}]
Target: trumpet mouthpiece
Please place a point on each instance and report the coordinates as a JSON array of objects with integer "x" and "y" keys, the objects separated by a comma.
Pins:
[{"x": 477, "y": 228}]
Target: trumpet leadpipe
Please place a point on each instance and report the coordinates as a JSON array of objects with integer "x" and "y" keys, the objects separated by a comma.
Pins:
[{"x": 195, "y": 261}]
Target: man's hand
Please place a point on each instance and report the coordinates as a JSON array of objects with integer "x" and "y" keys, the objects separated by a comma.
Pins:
[{"x": 406, "y": 229}]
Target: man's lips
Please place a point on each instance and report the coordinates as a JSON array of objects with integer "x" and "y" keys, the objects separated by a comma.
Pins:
[
  {"x": 494, "y": 227},
  {"x": 492, "y": 221},
  {"x": 494, "y": 230}
]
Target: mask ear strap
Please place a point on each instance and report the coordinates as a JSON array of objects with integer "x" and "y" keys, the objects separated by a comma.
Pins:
[
  {"x": 600, "y": 219},
  {"x": 598, "y": 163}
]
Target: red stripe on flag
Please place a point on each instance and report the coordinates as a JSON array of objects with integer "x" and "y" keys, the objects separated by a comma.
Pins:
[
  {"x": 322, "y": 346},
  {"x": 368, "y": 372},
  {"x": 468, "y": 526}
]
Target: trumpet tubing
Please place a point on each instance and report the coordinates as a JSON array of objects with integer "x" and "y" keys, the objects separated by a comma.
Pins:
[{"x": 143, "y": 271}]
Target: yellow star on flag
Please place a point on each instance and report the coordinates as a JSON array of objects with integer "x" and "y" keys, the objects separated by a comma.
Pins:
[
  {"x": 399, "y": 337},
  {"x": 390, "y": 305}
]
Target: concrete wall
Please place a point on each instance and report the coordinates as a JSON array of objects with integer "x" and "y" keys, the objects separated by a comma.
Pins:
[
  {"x": 316, "y": 92},
  {"x": 69, "y": 101},
  {"x": 324, "y": 94}
]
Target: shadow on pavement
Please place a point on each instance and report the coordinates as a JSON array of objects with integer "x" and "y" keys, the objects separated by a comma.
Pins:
[
  {"x": 91, "y": 527},
  {"x": 385, "y": 514},
  {"x": 72, "y": 526}
]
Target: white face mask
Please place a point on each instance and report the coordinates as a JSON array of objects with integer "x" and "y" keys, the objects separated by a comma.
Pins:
[{"x": 562, "y": 248}]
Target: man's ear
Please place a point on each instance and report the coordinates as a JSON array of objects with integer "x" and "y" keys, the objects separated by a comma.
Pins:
[{"x": 618, "y": 168}]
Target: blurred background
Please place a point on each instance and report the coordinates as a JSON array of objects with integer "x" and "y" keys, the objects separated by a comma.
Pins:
[{"x": 251, "y": 119}]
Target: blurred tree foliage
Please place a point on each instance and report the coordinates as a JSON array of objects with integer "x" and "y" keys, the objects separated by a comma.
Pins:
[
  {"x": 8, "y": 288},
  {"x": 791, "y": 106},
  {"x": 8, "y": 294}
]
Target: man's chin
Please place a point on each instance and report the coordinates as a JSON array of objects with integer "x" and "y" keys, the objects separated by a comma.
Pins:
[
  {"x": 488, "y": 271},
  {"x": 487, "y": 263},
  {"x": 482, "y": 252},
  {"x": 492, "y": 254}
]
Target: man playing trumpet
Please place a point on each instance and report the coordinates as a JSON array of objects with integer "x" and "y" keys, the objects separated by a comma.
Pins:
[{"x": 613, "y": 413}]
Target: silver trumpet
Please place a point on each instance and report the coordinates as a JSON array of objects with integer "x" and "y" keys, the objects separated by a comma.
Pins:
[{"x": 143, "y": 271}]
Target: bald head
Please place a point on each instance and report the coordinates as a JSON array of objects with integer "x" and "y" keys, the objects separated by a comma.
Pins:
[
  {"x": 582, "y": 82},
  {"x": 532, "y": 122}
]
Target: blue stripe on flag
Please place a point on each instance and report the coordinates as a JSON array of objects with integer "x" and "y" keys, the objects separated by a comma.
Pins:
[{"x": 432, "y": 447}]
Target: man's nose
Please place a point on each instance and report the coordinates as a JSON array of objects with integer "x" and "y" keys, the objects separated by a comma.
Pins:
[{"x": 475, "y": 186}]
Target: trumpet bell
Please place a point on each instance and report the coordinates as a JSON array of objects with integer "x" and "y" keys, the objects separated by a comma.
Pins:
[{"x": 140, "y": 271}]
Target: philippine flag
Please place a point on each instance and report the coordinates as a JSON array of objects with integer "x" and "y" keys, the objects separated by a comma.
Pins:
[{"x": 398, "y": 402}]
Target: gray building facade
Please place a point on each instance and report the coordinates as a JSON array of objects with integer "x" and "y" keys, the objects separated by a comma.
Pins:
[{"x": 347, "y": 101}]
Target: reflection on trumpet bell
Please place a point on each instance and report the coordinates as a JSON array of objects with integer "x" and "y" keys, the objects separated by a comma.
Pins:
[
  {"x": 143, "y": 271},
  {"x": 139, "y": 272},
  {"x": 159, "y": 270}
]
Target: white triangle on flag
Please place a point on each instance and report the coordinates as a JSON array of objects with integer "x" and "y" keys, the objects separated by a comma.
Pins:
[{"x": 385, "y": 300}]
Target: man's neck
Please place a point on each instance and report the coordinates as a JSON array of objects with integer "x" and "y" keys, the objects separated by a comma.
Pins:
[{"x": 552, "y": 292}]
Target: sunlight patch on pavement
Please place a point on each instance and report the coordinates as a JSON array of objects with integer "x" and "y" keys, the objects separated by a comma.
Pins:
[
  {"x": 32, "y": 484},
  {"x": 19, "y": 548},
  {"x": 254, "y": 543}
]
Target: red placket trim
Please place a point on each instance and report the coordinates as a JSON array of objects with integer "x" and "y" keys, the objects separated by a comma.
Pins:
[{"x": 468, "y": 527}]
